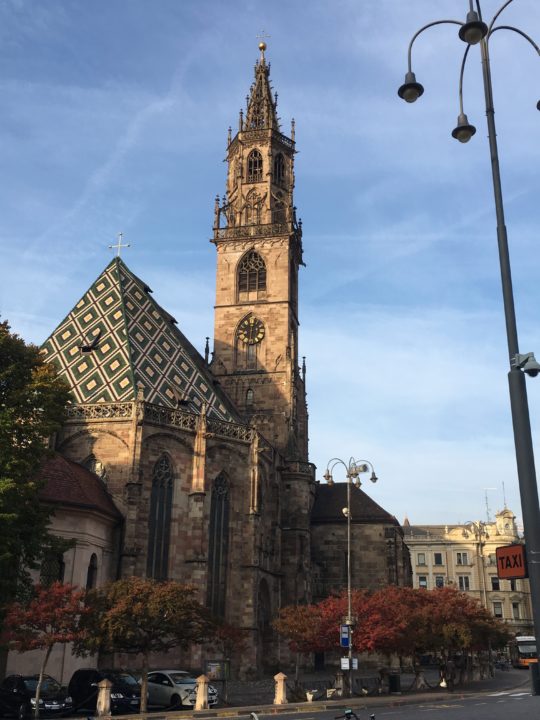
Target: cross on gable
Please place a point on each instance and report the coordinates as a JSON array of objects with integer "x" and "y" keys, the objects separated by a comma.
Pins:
[{"x": 119, "y": 244}]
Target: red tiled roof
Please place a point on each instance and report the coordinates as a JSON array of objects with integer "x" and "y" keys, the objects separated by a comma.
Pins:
[{"x": 68, "y": 483}]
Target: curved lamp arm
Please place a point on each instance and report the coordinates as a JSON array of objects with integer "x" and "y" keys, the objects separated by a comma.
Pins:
[
  {"x": 519, "y": 32},
  {"x": 418, "y": 32}
]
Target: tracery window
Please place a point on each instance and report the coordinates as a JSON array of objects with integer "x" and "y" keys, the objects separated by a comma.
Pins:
[
  {"x": 218, "y": 546},
  {"x": 254, "y": 166},
  {"x": 159, "y": 521},
  {"x": 251, "y": 273},
  {"x": 279, "y": 169}
]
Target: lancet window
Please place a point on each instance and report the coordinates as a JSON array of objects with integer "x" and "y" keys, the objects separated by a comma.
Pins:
[
  {"x": 218, "y": 550},
  {"x": 254, "y": 166},
  {"x": 159, "y": 521},
  {"x": 251, "y": 273},
  {"x": 279, "y": 169},
  {"x": 91, "y": 574}
]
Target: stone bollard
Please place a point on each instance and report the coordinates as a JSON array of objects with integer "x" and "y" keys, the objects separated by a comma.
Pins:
[
  {"x": 340, "y": 683},
  {"x": 103, "y": 703},
  {"x": 281, "y": 689},
  {"x": 201, "y": 701}
]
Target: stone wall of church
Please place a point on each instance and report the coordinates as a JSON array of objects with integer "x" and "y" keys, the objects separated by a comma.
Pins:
[{"x": 379, "y": 557}]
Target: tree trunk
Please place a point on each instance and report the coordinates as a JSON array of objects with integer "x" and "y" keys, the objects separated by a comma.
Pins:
[
  {"x": 144, "y": 683},
  {"x": 40, "y": 681}
]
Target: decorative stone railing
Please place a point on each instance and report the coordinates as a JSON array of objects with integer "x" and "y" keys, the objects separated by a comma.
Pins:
[
  {"x": 100, "y": 411},
  {"x": 241, "y": 232},
  {"x": 159, "y": 415}
]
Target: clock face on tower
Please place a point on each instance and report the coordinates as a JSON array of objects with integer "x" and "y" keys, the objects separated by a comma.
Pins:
[{"x": 251, "y": 331}]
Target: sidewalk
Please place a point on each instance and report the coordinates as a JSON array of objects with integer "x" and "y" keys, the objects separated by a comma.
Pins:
[
  {"x": 503, "y": 681},
  {"x": 261, "y": 692}
]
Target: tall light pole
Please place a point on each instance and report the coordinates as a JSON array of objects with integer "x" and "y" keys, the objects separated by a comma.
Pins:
[
  {"x": 474, "y": 31},
  {"x": 353, "y": 469}
]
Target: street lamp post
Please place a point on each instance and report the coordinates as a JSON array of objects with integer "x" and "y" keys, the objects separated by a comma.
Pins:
[
  {"x": 475, "y": 31},
  {"x": 353, "y": 469}
]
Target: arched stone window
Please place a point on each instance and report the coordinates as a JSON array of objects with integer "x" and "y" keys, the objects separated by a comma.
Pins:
[
  {"x": 218, "y": 545},
  {"x": 249, "y": 398},
  {"x": 254, "y": 166},
  {"x": 279, "y": 169},
  {"x": 159, "y": 520},
  {"x": 96, "y": 466},
  {"x": 91, "y": 575},
  {"x": 251, "y": 273}
]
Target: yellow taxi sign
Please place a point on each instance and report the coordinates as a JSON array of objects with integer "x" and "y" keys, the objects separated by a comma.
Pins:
[{"x": 511, "y": 562}]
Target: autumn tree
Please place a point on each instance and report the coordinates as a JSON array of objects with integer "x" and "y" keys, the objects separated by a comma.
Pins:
[
  {"x": 140, "y": 616},
  {"x": 50, "y": 616},
  {"x": 394, "y": 620},
  {"x": 32, "y": 404}
]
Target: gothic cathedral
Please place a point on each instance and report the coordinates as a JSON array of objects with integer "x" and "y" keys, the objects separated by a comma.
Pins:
[{"x": 174, "y": 465}]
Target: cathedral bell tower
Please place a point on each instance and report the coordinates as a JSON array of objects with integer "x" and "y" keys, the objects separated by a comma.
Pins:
[{"x": 259, "y": 250}]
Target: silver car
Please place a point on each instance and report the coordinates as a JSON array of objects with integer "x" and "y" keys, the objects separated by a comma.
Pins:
[{"x": 175, "y": 688}]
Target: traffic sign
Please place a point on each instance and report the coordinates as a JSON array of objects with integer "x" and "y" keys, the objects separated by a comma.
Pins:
[
  {"x": 511, "y": 561},
  {"x": 345, "y": 635}
]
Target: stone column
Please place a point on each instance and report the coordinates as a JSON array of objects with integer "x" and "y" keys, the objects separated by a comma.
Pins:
[
  {"x": 103, "y": 703},
  {"x": 281, "y": 689},
  {"x": 201, "y": 701}
]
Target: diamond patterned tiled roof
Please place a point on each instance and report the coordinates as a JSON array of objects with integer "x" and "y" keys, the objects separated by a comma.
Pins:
[{"x": 132, "y": 340}]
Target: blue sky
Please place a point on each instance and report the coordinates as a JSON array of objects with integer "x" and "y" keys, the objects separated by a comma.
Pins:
[{"x": 114, "y": 117}]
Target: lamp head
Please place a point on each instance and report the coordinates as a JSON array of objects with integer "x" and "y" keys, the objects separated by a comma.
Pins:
[
  {"x": 345, "y": 511},
  {"x": 538, "y": 105},
  {"x": 473, "y": 30},
  {"x": 328, "y": 477},
  {"x": 373, "y": 477},
  {"x": 410, "y": 91},
  {"x": 463, "y": 131}
]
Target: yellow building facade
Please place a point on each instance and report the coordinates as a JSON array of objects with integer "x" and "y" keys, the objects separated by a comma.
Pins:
[{"x": 464, "y": 556}]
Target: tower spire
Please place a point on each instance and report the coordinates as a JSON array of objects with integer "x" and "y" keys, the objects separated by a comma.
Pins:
[{"x": 261, "y": 106}]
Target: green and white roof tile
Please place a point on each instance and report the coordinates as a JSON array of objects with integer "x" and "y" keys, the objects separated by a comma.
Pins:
[{"x": 133, "y": 340}]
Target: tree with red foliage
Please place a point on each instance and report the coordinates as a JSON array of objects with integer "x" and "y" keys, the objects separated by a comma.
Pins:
[
  {"x": 399, "y": 620},
  {"x": 140, "y": 616},
  {"x": 50, "y": 616}
]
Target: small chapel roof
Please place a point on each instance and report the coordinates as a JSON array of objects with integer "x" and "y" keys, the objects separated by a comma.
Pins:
[
  {"x": 117, "y": 338},
  {"x": 330, "y": 501},
  {"x": 68, "y": 483}
]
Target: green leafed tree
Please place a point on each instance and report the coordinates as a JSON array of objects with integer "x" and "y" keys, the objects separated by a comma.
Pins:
[
  {"x": 32, "y": 406},
  {"x": 141, "y": 616}
]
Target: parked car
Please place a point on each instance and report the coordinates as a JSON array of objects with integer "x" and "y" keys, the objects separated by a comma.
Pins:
[
  {"x": 18, "y": 696},
  {"x": 125, "y": 690},
  {"x": 175, "y": 688}
]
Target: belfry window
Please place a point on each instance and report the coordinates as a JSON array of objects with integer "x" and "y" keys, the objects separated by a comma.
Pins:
[
  {"x": 279, "y": 169},
  {"x": 159, "y": 521},
  {"x": 218, "y": 550},
  {"x": 251, "y": 273},
  {"x": 254, "y": 166}
]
